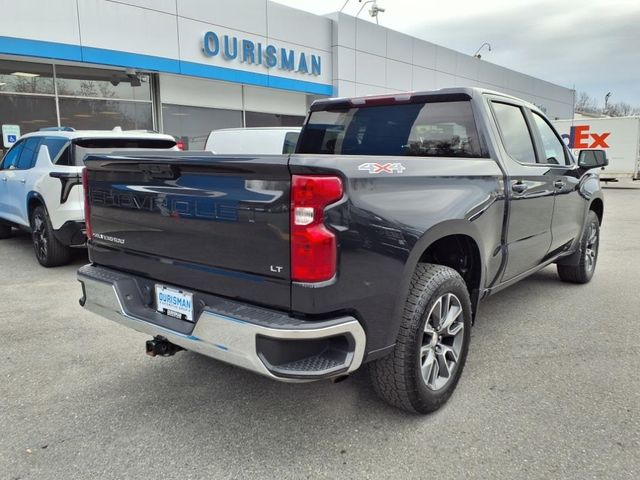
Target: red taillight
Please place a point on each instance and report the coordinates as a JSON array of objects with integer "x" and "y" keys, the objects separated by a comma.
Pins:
[
  {"x": 180, "y": 144},
  {"x": 313, "y": 245},
  {"x": 87, "y": 206}
]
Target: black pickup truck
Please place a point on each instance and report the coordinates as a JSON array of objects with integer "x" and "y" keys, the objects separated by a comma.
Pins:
[{"x": 374, "y": 243}]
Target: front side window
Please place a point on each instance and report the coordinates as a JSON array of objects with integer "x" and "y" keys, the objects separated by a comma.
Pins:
[
  {"x": 11, "y": 158},
  {"x": 29, "y": 153},
  {"x": 515, "y": 133},
  {"x": 554, "y": 151},
  {"x": 434, "y": 129}
]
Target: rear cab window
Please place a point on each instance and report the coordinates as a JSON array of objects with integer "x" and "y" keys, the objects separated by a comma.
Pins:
[{"x": 425, "y": 129}]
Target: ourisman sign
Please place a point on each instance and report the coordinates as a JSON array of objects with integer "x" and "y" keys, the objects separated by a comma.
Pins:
[{"x": 255, "y": 53}]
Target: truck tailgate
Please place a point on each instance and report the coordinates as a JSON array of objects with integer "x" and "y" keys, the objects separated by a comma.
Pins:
[{"x": 214, "y": 224}]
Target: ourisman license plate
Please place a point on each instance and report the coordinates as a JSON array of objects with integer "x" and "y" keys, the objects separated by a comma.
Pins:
[{"x": 174, "y": 303}]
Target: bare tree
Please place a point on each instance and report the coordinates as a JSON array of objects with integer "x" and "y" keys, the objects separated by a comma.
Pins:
[
  {"x": 586, "y": 103},
  {"x": 620, "y": 109}
]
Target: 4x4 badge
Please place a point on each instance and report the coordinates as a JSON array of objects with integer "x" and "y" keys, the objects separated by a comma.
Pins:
[{"x": 382, "y": 167}]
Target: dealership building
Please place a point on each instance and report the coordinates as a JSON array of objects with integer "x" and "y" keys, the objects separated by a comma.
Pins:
[{"x": 186, "y": 67}]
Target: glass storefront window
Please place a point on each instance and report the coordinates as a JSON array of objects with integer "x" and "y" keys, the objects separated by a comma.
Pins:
[
  {"x": 259, "y": 119},
  {"x": 26, "y": 77},
  {"x": 88, "y": 98},
  {"x": 30, "y": 112},
  {"x": 94, "y": 114},
  {"x": 100, "y": 83},
  {"x": 37, "y": 95},
  {"x": 192, "y": 125}
]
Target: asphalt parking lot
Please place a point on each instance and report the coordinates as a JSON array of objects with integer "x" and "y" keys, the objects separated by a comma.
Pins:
[{"x": 551, "y": 390}]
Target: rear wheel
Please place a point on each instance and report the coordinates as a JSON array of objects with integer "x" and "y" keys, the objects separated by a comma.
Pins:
[
  {"x": 49, "y": 251},
  {"x": 422, "y": 371},
  {"x": 581, "y": 268},
  {"x": 5, "y": 231}
]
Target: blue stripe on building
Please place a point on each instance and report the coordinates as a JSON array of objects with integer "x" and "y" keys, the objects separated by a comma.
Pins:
[{"x": 63, "y": 51}]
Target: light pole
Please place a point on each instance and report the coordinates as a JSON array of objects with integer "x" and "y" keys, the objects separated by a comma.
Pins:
[
  {"x": 606, "y": 102},
  {"x": 373, "y": 11},
  {"x": 477, "y": 54}
]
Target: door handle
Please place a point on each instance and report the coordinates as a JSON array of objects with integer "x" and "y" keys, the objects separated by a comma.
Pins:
[
  {"x": 559, "y": 184},
  {"x": 4, "y": 179},
  {"x": 519, "y": 187},
  {"x": 22, "y": 180}
]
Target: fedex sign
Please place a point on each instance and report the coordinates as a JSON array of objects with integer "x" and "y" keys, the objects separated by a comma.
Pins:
[{"x": 580, "y": 137}]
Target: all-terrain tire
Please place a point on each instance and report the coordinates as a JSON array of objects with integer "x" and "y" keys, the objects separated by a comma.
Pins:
[
  {"x": 580, "y": 268},
  {"x": 49, "y": 251},
  {"x": 399, "y": 378}
]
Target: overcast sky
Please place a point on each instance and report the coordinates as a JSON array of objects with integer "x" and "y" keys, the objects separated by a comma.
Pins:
[{"x": 589, "y": 45}]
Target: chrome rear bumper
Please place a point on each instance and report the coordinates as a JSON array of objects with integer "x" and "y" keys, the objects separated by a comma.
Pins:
[{"x": 264, "y": 341}]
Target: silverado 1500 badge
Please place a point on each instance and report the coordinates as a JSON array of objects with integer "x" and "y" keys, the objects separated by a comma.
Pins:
[
  {"x": 109, "y": 238},
  {"x": 382, "y": 167}
]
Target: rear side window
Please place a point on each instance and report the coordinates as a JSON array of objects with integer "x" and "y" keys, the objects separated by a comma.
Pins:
[
  {"x": 65, "y": 157},
  {"x": 11, "y": 158},
  {"x": 515, "y": 133},
  {"x": 55, "y": 146},
  {"x": 442, "y": 129},
  {"x": 290, "y": 142},
  {"x": 29, "y": 153}
]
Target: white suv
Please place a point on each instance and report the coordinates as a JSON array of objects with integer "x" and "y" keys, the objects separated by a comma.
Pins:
[{"x": 41, "y": 184}]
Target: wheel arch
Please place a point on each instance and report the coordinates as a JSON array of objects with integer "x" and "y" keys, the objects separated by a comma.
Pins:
[
  {"x": 450, "y": 233},
  {"x": 455, "y": 230},
  {"x": 34, "y": 199},
  {"x": 597, "y": 206}
]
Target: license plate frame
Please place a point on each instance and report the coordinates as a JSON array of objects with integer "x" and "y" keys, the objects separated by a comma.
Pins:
[{"x": 174, "y": 302}]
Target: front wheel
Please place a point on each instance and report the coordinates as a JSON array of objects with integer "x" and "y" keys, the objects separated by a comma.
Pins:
[
  {"x": 422, "y": 371},
  {"x": 49, "y": 251},
  {"x": 580, "y": 269}
]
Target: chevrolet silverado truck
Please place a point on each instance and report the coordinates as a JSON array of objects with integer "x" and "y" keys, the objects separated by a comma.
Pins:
[{"x": 374, "y": 243}]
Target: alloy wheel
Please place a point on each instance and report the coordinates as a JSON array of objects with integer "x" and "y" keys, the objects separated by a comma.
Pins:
[
  {"x": 40, "y": 236},
  {"x": 442, "y": 341},
  {"x": 591, "y": 249}
]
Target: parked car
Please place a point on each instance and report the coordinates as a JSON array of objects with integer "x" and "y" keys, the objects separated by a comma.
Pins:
[
  {"x": 40, "y": 184},
  {"x": 253, "y": 141},
  {"x": 374, "y": 243}
]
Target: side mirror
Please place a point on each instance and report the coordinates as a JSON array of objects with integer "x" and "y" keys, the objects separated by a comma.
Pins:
[{"x": 592, "y": 159}]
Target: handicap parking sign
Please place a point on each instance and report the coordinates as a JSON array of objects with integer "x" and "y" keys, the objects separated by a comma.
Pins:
[{"x": 10, "y": 135}]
